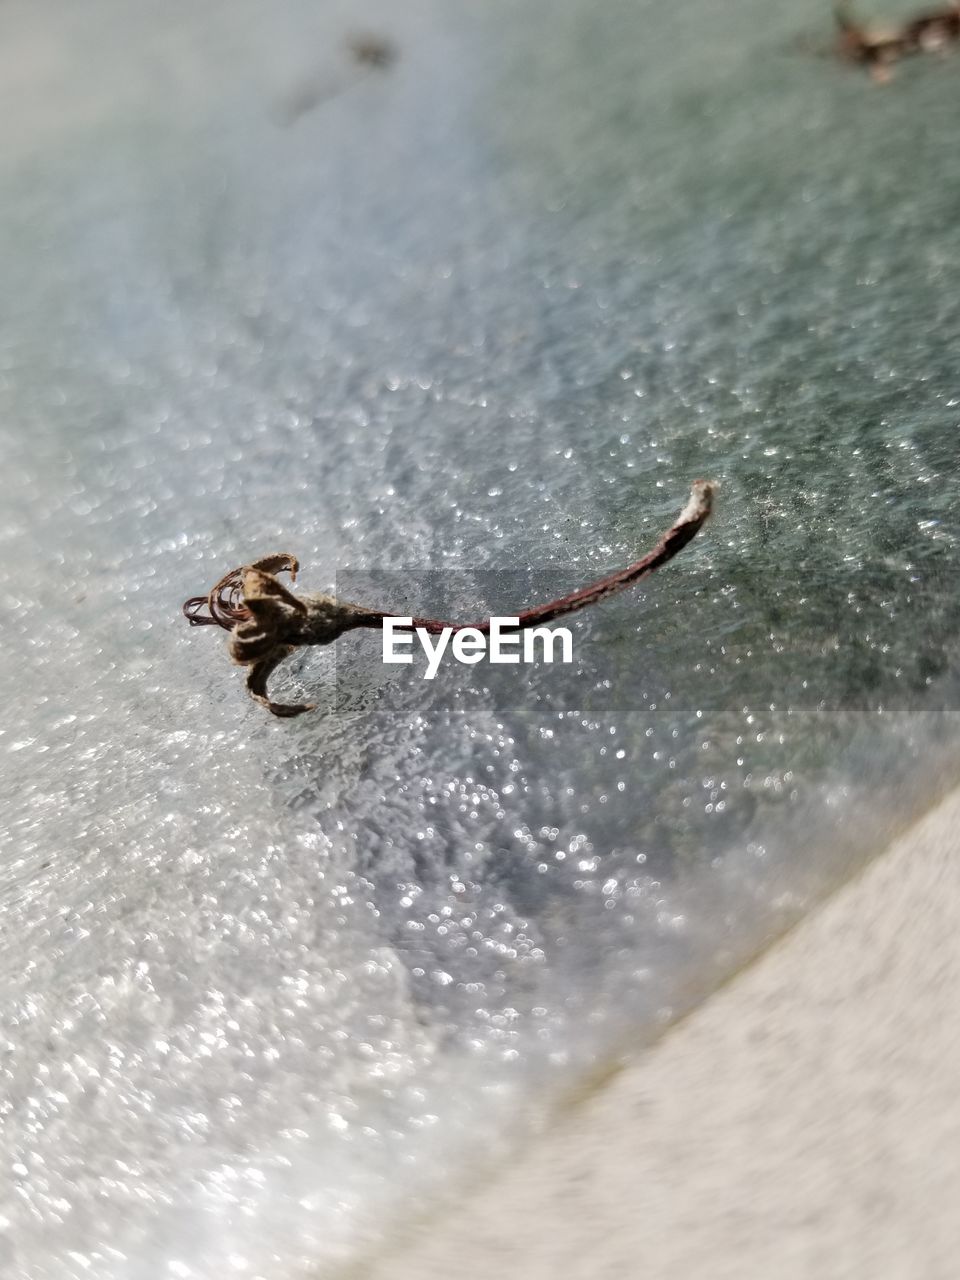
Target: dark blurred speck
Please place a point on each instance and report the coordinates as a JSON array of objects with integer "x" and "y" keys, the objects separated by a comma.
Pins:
[{"x": 372, "y": 50}]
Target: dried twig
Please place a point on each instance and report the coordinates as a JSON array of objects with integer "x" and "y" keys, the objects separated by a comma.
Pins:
[
  {"x": 267, "y": 622},
  {"x": 369, "y": 52},
  {"x": 877, "y": 48}
]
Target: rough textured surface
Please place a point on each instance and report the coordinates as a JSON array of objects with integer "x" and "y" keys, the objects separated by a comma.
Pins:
[
  {"x": 492, "y": 307},
  {"x": 804, "y": 1122}
]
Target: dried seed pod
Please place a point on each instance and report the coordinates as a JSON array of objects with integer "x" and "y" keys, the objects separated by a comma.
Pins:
[{"x": 267, "y": 622}]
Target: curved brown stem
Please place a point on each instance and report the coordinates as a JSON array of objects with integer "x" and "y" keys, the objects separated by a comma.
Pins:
[
  {"x": 267, "y": 622},
  {"x": 685, "y": 527}
]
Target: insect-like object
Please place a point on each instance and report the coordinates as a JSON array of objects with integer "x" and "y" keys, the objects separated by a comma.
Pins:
[
  {"x": 877, "y": 48},
  {"x": 267, "y": 622}
]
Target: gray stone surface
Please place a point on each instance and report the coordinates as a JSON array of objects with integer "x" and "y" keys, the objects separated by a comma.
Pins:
[
  {"x": 803, "y": 1124},
  {"x": 264, "y": 985}
]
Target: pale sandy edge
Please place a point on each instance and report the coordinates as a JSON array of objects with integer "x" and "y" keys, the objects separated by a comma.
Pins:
[{"x": 804, "y": 1122}]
